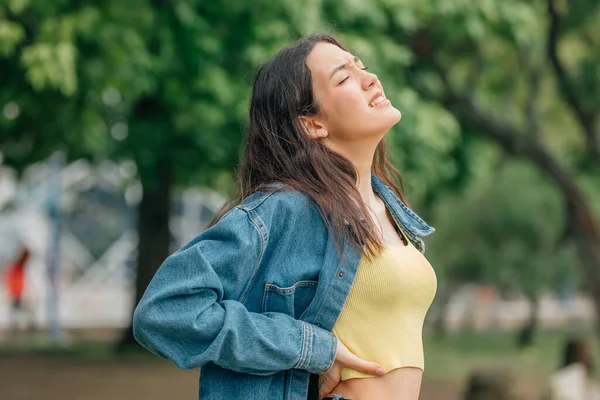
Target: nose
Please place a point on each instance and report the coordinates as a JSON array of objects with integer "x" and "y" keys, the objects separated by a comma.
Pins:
[{"x": 369, "y": 80}]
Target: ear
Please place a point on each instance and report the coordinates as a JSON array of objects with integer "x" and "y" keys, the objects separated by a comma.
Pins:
[{"x": 314, "y": 128}]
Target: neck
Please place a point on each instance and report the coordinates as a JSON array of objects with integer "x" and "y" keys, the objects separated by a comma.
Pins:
[
  {"x": 361, "y": 155},
  {"x": 365, "y": 188}
]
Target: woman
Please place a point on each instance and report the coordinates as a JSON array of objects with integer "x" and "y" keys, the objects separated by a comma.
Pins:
[{"x": 315, "y": 273}]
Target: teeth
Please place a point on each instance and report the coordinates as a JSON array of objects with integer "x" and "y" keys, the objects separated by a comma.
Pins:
[{"x": 377, "y": 101}]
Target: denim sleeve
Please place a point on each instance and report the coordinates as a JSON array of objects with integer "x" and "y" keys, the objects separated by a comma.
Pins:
[{"x": 190, "y": 314}]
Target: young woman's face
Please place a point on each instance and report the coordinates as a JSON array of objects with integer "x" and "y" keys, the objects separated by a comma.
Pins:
[{"x": 351, "y": 101}]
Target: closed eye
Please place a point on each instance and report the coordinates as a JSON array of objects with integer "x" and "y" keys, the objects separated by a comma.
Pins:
[{"x": 346, "y": 78}]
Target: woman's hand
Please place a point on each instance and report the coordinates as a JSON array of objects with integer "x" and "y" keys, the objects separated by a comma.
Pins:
[{"x": 345, "y": 359}]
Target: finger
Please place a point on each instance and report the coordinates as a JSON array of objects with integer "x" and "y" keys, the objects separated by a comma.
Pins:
[
  {"x": 326, "y": 395},
  {"x": 323, "y": 394},
  {"x": 326, "y": 387},
  {"x": 366, "y": 367},
  {"x": 325, "y": 390}
]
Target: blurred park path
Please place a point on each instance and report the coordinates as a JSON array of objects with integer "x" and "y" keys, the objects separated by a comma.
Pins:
[
  {"x": 28, "y": 377},
  {"x": 51, "y": 377}
]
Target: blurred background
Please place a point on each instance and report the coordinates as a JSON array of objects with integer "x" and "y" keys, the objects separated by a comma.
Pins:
[{"x": 120, "y": 132}]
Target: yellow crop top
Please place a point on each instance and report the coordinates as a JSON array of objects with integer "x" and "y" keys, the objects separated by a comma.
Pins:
[{"x": 382, "y": 319}]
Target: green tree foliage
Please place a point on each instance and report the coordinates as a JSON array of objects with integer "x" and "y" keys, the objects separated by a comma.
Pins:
[{"x": 497, "y": 235}]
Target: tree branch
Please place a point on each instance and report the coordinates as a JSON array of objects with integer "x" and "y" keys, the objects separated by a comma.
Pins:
[
  {"x": 517, "y": 142},
  {"x": 586, "y": 118},
  {"x": 475, "y": 74},
  {"x": 534, "y": 74}
]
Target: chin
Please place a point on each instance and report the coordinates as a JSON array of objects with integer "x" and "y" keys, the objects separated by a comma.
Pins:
[
  {"x": 398, "y": 113},
  {"x": 393, "y": 116}
]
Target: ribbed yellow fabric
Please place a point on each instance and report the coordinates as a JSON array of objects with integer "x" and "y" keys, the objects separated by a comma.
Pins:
[{"x": 382, "y": 319}]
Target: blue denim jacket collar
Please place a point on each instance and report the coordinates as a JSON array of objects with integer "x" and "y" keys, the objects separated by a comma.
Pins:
[{"x": 413, "y": 225}]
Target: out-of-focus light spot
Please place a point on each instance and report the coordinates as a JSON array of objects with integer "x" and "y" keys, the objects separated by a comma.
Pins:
[
  {"x": 133, "y": 194},
  {"x": 119, "y": 131},
  {"x": 111, "y": 97},
  {"x": 11, "y": 110},
  {"x": 128, "y": 169}
]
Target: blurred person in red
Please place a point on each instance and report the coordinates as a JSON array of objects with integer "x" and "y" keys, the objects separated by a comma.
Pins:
[{"x": 15, "y": 283}]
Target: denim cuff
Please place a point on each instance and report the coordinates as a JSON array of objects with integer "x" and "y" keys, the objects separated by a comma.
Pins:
[{"x": 318, "y": 349}]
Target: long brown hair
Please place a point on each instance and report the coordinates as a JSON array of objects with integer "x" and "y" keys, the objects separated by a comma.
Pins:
[{"x": 278, "y": 150}]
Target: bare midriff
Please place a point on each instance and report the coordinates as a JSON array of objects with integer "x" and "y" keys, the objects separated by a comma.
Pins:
[{"x": 399, "y": 384}]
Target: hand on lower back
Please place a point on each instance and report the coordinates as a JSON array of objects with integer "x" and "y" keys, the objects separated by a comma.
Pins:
[{"x": 345, "y": 359}]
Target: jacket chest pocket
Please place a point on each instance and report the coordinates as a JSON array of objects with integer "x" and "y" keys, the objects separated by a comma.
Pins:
[{"x": 293, "y": 300}]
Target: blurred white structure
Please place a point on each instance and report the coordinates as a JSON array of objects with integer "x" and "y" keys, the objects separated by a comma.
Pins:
[
  {"x": 97, "y": 249},
  {"x": 481, "y": 308}
]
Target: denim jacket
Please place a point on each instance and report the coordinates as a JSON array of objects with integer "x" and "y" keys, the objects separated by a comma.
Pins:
[{"x": 252, "y": 300}]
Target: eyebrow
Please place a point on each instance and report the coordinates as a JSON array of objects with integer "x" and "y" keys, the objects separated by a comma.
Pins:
[{"x": 341, "y": 67}]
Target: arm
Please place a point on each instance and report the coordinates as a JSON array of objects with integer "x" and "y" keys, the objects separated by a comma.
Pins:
[{"x": 190, "y": 313}]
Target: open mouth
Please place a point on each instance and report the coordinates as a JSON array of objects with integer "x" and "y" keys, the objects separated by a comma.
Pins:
[{"x": 377, "y": 100}]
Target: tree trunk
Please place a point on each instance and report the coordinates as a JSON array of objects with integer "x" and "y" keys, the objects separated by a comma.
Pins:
[
  {"x": 443, "y": 297},
  {"x": 589, "y": 253},
  {"x": 582, "y": 228},
  {"x": 154, "y": 239},
  {"x": 527, "y": 333}
]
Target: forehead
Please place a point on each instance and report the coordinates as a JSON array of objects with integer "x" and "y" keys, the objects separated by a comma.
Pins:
[{"x": 324, "y": 57}]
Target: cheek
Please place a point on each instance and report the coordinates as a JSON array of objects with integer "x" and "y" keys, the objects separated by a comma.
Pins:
[{"x": 346, "y": 108}]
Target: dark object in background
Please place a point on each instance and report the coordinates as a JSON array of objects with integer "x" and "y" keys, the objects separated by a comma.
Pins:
[
  {"x": 574, "y": 380},
  {"x": 491, "y": 384},
  {"x": 579, "y": 351},
  {"x": 313, "y": 387}
]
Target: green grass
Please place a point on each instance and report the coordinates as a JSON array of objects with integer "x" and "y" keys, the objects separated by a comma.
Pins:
[
  {"x": 454, "y": 357},
  {"x": 89, "y": 351}
]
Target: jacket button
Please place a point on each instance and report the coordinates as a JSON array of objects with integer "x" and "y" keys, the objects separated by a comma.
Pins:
[
  {"x": 419, "y": 245},
  {"x": 341, "y": 274}
]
